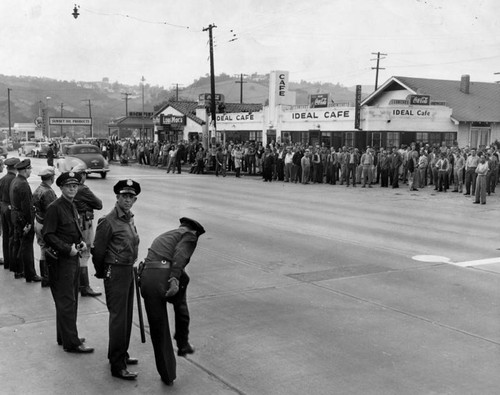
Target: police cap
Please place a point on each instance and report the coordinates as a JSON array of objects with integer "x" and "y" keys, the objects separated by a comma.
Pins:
[
  {"x": 127, "y": 186},
  {"x": 68, "y": 177},
  {"x": 24, "y": 164},
  {"x": 194, "y": 225},
  {"x": 11, "y": 162},
  {"x": 47, "y": 171}
]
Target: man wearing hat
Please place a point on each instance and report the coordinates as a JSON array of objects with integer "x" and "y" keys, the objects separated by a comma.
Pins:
[
  {"x": 114, "y": 253},
  {"x": 163, "y": 278},
  {"x": 63, "y": 239},
  {"x": 86, "y": 202},
  {"x": 43, "y": 196},
  {"x": 7, "y": 225},
  {"x": 23, "y": 217}
]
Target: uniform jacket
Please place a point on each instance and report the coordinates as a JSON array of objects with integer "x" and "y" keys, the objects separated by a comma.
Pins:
[
  {"x": 43, "y": 196},
  {"x": 21, "y": 200},
  {"x": 175, "y": 246},
  {"x": 116, "y": 241}
]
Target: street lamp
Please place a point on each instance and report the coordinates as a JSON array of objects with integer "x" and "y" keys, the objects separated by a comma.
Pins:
[
  {"x": 8, "y": 99},
  {"x": 142, "y": 115}
]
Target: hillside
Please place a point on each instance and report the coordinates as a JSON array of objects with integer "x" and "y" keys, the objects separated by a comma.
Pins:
[{"x": 29, "y": 95}]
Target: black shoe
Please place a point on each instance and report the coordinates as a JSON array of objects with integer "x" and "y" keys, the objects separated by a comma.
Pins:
[
  {"x": 18, "y": 275},
  {"x": 82, "y": 340},
  {"x": 1, "y": 261},
  {"x": 81, "y": 349},
  {"x": 124, "y": 374},
  {"x": 45, "y": 283},
  {"x": 168, "y": 382},
  {"x": 475, "y": 202},
  {"x": 186, "y": 349},
  {"x": 132, "y": 361},
  {"x": 35, "y": 279},
  {"x": 87, "y": 291}
]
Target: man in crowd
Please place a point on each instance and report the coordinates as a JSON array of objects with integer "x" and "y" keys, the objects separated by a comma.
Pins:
[
  {"x": 163, "y": 278},
  {"x": 63, "y": 238},
  {"x": 23, "y": 217},
  {"x": 115, "y": 251},
  {"x": 7, "y": 225},
  {"x": 43, "y": 196}
]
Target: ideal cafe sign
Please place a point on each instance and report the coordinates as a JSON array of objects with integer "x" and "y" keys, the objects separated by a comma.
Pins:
[
  {"x": 239, "y": 117},
  {"x": 327, "y": 114}
]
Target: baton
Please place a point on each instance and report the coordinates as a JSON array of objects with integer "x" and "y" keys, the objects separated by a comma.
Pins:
[{"x": 139, "y": 306}]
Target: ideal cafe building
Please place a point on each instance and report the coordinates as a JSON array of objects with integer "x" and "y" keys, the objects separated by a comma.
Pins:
[{"x": 403, "y": 110}]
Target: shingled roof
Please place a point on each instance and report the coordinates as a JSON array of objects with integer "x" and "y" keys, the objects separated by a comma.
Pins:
[
  {"x": 187, "y": 108},
  {"x": 481, "y": 104}
]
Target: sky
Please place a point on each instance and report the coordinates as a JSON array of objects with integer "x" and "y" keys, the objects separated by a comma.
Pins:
[{"x": 317, "y": 41}]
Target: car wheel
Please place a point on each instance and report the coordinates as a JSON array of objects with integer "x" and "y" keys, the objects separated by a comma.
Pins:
[{"x": 103, "y": 174}]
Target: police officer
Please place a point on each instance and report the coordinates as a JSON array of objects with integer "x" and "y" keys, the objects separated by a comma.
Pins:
[
  {"x": 86, "y": 202},
  {"x": 7, "y": 225},
  {"x": 114, "y": 254},
  {"x": 23, "y": 215},
  {"x": 63, "y": 239},
  {"x": 163, "y": 279},
  {"x": 43, "y": 196}
]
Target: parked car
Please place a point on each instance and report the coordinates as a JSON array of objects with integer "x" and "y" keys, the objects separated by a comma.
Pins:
[
  {"x": 40, "y": 150},
  {"x": 27, "y": 148},
  {"x": 63, "y": 148},
  {"x": 84, "y": 154}
]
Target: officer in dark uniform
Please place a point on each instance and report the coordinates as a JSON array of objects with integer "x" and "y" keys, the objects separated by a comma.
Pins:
[
  {"x": 5, "y": 212},
  {"x": 86, "y": 202},
  {"x": 43, "y": 196},
  {"x": 23, "y": 215},
  {"x": 115, "y": 251},
  {"x": 163, "y": 279},
  {"x": 63, "y": 239},
  {"x": 50, "y": 155}
]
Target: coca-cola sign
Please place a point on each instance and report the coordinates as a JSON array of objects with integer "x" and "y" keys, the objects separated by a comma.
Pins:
[
  {"x": 319, "y": 100},
  {"x": 420, "y": 100}
]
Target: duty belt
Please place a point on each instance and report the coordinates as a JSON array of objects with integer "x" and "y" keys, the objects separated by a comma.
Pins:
[{"x": 158, "y": 265}]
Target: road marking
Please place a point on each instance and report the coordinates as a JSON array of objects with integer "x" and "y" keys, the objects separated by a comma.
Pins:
[{"x": 443, "y": 259}]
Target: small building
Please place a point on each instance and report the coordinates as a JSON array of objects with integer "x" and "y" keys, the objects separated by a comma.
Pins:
[
  {"x": 430, "y": 111},
  {"x": 136, "y": 124}
]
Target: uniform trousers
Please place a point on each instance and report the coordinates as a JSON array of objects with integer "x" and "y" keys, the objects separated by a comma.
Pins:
[
  {"x": 7, "y": 234},
  {"x": 23, "y": 258},
  {"x": 154, "y": 285},
  {"x": 64, "y": 286},
  {"x": 119, "y": 288}
]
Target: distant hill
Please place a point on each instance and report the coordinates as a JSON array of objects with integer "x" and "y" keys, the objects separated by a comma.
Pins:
[{"x": 107, "y": 100}]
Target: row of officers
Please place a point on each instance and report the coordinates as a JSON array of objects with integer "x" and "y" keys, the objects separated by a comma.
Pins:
[{"x": 67, "y": 240}]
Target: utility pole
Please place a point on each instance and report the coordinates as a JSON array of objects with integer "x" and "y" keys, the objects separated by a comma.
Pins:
[
  {"x": 8, "y": 104},
  {"x": 176, "y": 92},
  {"x": 142, "y": 115},
  {"x": 241, "y": 82},
  {"x": 126, "y": 94},
  {"x": 212, "y": 75},
  {"x": 62, "y": 106},
  {"x": 90, "y": 116},
  {"x": 378, "y": 66}
]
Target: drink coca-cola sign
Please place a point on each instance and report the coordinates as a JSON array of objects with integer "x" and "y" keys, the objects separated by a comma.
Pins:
[
  {"x": 420, "y": 100},
  {"x": 319, "y": 100}
]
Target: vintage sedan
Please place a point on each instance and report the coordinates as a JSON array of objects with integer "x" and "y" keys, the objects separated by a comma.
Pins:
[
  {"x": 84, "y": 154},
  {"x": 40, "y": 150}
]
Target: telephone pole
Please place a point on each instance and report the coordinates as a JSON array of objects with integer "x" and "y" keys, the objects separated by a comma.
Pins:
[
  {"x": 126, "y": 94},
  {"x": 378, "y": 66},
  {"x": 8, "y": 104},
  {"x": 212, "y": 75},
  {"x": 176, "y": 92},
  {"x": 90, "y": 116},
  {"x": 142, "y": 115},
  {"x": 62, "y": 106},
  {"x": 241, "y": 82}
]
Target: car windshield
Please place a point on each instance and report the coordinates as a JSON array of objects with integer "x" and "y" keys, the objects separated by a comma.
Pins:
[{"x": 84, "y": 150}]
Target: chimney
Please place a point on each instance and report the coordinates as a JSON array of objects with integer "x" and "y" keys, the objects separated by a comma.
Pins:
[{"x": 465, "y": 84}]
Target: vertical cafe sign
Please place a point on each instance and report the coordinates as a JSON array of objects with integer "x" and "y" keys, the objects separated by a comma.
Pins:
[{"x": 357, "y": 111}]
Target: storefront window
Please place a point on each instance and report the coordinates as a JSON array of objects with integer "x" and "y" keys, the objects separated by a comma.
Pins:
[
  {"x": 376, "y": 139},
  {"x": 421, "y": 138},
  {"x": 393, "y": 139},
  {"x": 349, "y": 139},
  {"x": 479, "y": 137},
  {"x": 256, "y": 136},
  {"x": 449, "y": 139}
]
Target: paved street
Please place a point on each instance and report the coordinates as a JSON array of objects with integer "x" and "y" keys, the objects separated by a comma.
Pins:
[{"x": 295, "y": 289}]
